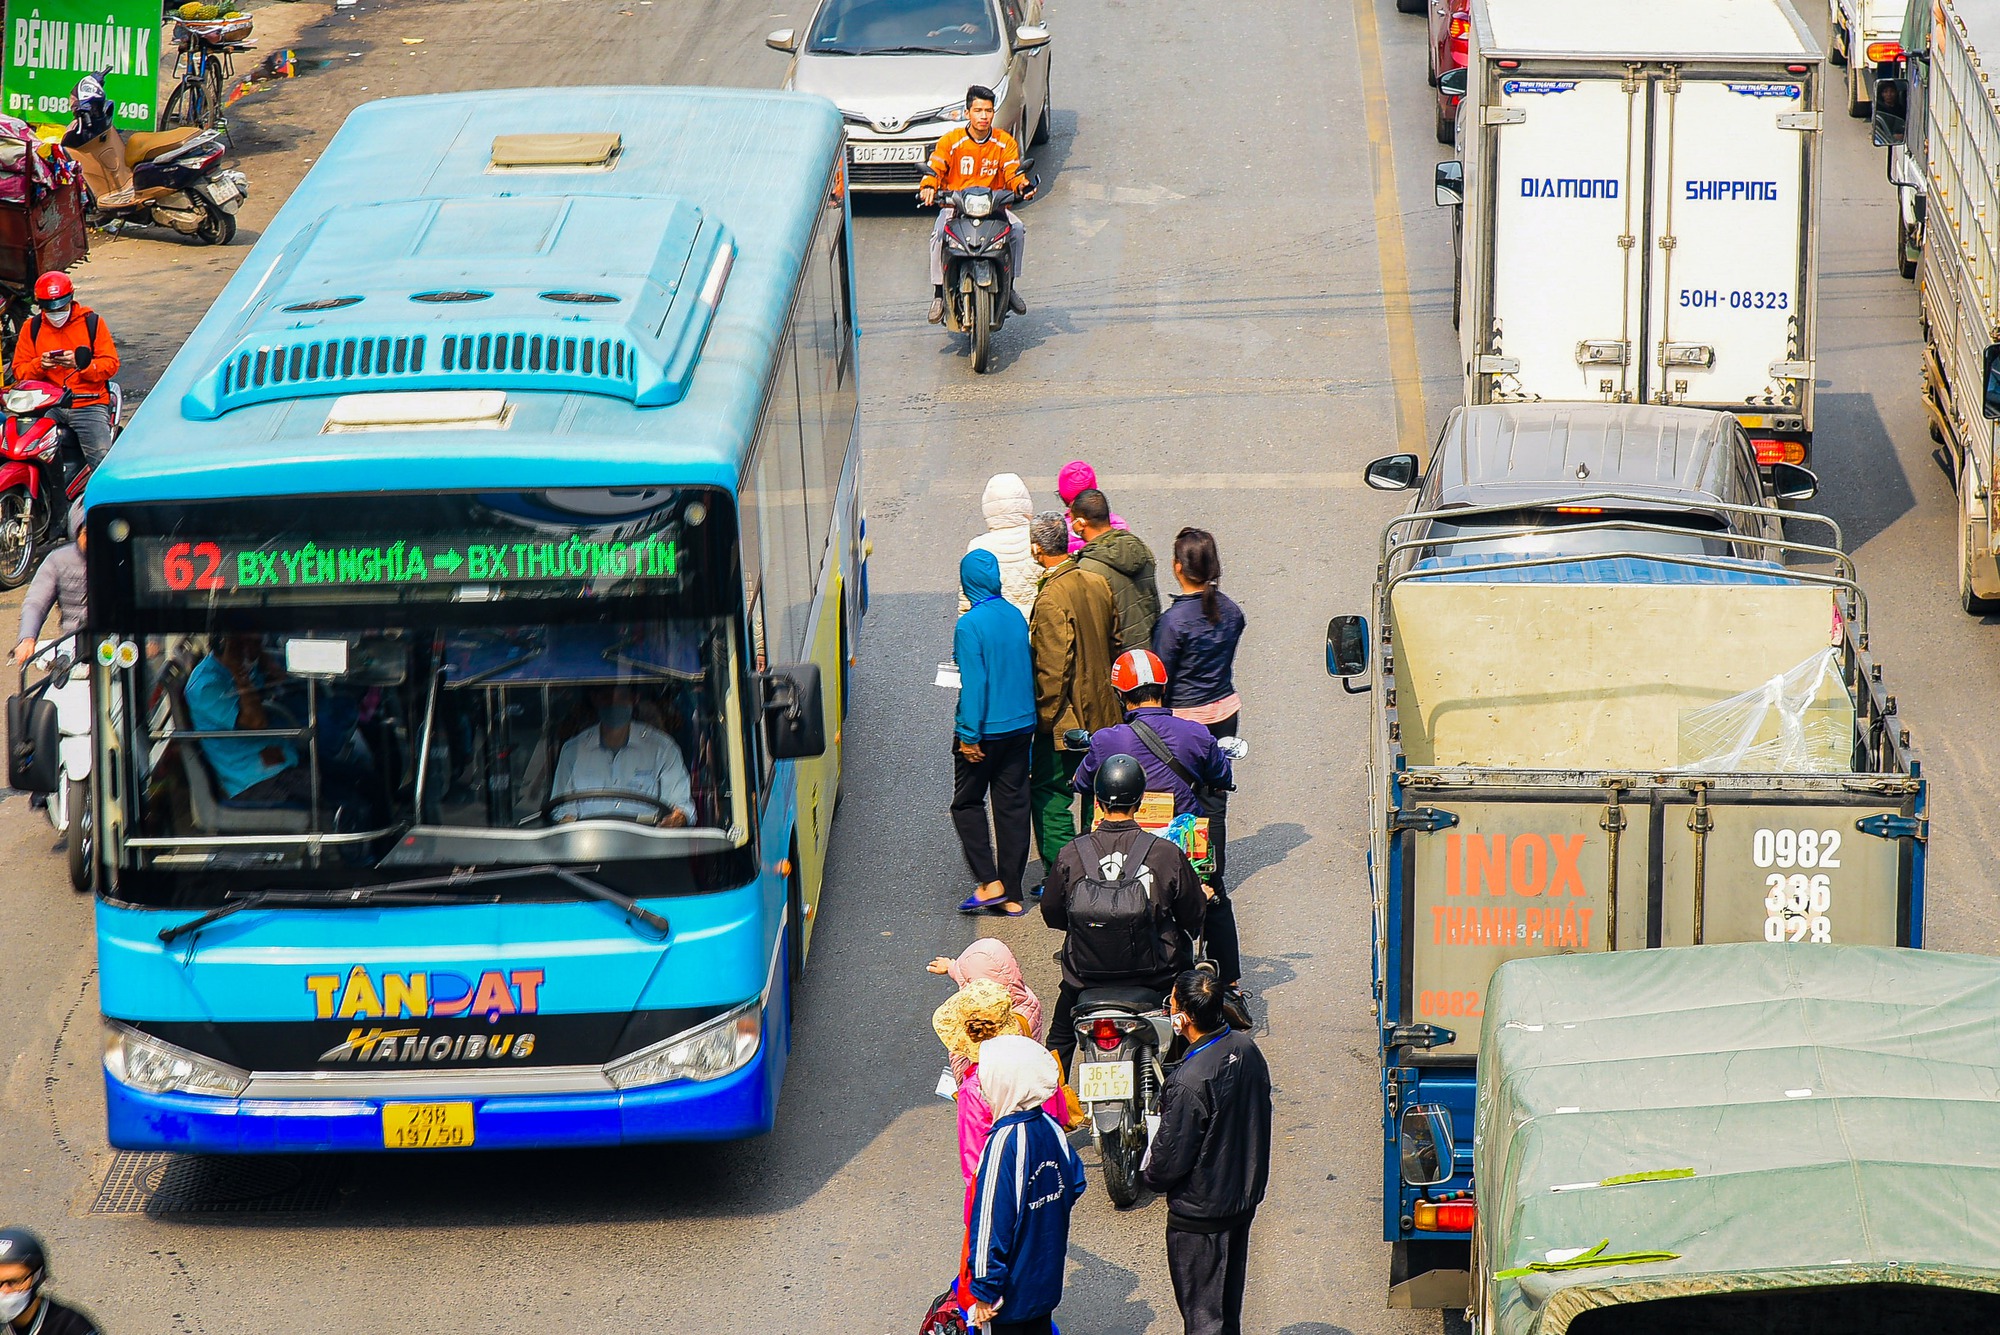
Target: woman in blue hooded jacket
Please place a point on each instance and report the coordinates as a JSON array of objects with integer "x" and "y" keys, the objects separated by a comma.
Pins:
[{"x": 992, "y": 737}]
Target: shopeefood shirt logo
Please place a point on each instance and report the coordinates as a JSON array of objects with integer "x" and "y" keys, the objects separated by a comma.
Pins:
[{"x": 364, "y": 994}]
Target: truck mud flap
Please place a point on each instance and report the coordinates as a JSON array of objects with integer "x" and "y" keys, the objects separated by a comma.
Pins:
[{"x": 1428, "y": 1276}]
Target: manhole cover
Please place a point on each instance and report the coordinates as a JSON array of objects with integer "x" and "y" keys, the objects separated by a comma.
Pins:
[{"x": 157, "y": 1184}]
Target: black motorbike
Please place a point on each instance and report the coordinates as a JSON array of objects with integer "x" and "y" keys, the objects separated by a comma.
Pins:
[
  {"x": 173, "y": 178},
  {"x": 978, "y": 275}
]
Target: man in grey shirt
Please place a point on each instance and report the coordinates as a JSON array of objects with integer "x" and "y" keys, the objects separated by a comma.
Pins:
[{"x": 59, "y": 583}]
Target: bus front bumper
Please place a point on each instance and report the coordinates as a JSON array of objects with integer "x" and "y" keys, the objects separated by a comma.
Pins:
[{"x": 741, "y": 1104}]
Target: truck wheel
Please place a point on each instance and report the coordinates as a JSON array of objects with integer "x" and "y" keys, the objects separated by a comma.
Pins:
[
  {"x": 1410, "y": 6},
  {"x": 1837, "y": 48},
  {"x": 1857, "y": 91},
  {"x": 1969, "y": 599},
  {"x": 1906, "y": 248}
]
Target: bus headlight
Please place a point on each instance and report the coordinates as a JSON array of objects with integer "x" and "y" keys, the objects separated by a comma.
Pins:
[
  {"x": 708, "y": 1053},
  {"x": 148, "y": 1064}
]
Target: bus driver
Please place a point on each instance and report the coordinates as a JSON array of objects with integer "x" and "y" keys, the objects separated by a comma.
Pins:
[{"x": 621, "y": 755}]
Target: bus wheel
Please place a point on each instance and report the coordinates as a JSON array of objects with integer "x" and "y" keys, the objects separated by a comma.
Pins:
[{"x": 795, "y": 925}]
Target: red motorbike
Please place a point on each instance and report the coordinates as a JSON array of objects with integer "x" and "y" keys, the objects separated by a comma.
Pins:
[{"x": 42, "y": 473}]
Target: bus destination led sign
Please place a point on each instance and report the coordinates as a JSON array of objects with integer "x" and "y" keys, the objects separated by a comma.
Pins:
[{"x": 169, "y": 567}]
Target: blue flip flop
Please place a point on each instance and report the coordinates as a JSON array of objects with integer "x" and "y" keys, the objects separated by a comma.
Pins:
[{"x": 973, "y": 904}]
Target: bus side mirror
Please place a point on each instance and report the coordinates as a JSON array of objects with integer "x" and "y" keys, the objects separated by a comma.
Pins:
[
  {"x": 1888, "y": 121},
  {"x": 34, "y": 744},
  {"x": 1452, "y": 82},
  {"x": 1424, "y": 1143},
  {"x": 1347, "y": 651},
  {"x": 794, "y": 712},
  {"x": 1449, "y": 184}
]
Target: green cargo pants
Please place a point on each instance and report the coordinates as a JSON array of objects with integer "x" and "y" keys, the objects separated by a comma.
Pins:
[{"x": 1050, "y": 797}]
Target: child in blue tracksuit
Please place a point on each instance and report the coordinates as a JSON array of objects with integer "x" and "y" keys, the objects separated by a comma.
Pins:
[{"x": 1029, "y": 1179}]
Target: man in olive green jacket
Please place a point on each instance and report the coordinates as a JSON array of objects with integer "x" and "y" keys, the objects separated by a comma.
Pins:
[
  {"x": 1126, "y": 564},
  {"x": 1070, "y": 634}
]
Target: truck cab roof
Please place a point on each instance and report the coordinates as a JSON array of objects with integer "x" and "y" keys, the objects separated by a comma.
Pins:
[{"x": 1504, "y": 454}]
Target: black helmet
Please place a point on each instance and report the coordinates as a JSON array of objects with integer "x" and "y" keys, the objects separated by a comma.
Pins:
[
  {"x": 1120, "y": 784},
  {"x": 20, "y": 1247}
]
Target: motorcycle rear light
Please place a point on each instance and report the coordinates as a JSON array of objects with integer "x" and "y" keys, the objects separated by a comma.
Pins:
[
  {"x": 1444, "y": 1216},
  {"x": 1881, "y": 53},
  {"x": 1772, "y": 451},
  {"x": 1105, "y": 1034},
  {"x": 207, "y": 160}
]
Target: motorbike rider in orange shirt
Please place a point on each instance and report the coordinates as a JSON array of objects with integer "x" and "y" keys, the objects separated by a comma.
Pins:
[{"x": 978, "y": 155}]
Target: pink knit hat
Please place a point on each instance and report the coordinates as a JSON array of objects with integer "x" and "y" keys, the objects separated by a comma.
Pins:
[{"x": 1076, "y": 478}]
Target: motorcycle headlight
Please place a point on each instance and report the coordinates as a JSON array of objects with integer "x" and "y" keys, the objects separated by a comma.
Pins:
[
  {"x": 708, "y": 1053},
  {"x": 978, "y": 205},
  {"x": 145, "y": 1063},
  {"x": 21, "y": 402}
]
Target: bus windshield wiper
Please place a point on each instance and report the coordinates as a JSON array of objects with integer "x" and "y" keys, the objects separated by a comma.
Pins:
[{"x": 422, "y": 890}]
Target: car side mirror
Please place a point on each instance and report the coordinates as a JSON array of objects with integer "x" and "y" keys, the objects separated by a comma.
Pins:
[
  {"x": 1393, "y": 472},
  {"x": 1990, "y": 401},
  {"x": 794, "y": 712},
  {"x": 1347, "y": 651},
  {"x": 1452, "y": 82},
  {"x": 1789, "y": 482},
  {"x": 784, "y": 39},
  {"x": 1425, "y": 1146},
  {"x": 1030, "y": 36},
  {"x": 1448, "y": 186},
  {"x": 1888, "y": 120}
]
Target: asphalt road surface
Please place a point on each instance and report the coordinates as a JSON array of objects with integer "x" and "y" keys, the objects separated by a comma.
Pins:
[{"x": 1241, "y": 293}]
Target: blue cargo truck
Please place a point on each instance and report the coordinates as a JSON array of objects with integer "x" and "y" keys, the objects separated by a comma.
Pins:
[{"x": 1604, "y": 725}]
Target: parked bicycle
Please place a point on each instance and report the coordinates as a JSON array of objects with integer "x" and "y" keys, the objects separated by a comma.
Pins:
[{"x": 203, "y": 66}]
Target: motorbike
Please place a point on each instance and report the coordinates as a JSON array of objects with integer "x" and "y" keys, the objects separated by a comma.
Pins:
[
  {"x": 49, "y": 748},
  {"x": 42, "y": 473},
  {"x": 170, "y": 179},
  {"x": 978, "y": 274}
]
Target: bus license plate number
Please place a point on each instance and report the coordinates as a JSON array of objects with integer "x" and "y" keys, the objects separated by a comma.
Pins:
[
  {"x": 889, "y": 153},
  {"x": 1103, "y": 1082},
  {"x": 426, "y": 1126}
]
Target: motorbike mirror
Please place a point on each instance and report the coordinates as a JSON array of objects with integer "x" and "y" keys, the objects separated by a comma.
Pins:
[
  {"x": 1452, "y": 82},
  {"x": 1424, "y": 1145},
  {"x": 1393, "y": 472},
  {"x": 1030, "y": 36},
  {"x": 1789, "y": 482},
  {"x": 784, "y": 39},
  {"x": 1076, "y": 739},
  {"x": 1448, "y": 185}
]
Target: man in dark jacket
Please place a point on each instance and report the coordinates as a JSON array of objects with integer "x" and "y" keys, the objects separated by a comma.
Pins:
[
  {"x": 1070, "y": 632},
  {"x": 1211, "y": 1157},
  {"x": 59, "y": 584},
  {"x": 1141, "y": 680},
  {"x": 1119, "y": 850},
  {"x": 992, "y": 736},
  {"x": 1125, "y": 562},
  {"x": 25, "y": 1305}
]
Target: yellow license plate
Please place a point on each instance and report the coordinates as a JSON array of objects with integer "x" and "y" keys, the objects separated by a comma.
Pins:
[
  {"x": 426, "y": 1126},
  {"x": 1103, "y": 1082}
]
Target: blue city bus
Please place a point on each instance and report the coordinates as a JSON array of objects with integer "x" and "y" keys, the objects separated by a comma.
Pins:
[{"x": 473, "y": 604}]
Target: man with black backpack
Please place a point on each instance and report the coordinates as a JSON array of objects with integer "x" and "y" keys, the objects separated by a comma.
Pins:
[
  {"x": 1182, "y": 759},
  {"x": 1127, "y": 901}
]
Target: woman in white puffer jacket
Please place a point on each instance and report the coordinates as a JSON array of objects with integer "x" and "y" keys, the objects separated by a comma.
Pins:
[{"x": 1008, "y": 508}]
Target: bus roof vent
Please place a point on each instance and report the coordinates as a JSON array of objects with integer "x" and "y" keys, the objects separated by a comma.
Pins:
[
  {"x": 579, "y": 152},
  {"x": 459, "y": 301}
]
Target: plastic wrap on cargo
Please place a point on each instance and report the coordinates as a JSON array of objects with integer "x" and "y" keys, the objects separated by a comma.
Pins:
[{"x": 1800, "y": 722}]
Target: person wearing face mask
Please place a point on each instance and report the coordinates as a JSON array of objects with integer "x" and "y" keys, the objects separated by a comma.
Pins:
[
  {"x": 25, "y": 1309},
  {"x": 68, "y": 345},
  {"x": 621, "y": 756},
  {"x": 1211, "y": 1157}
]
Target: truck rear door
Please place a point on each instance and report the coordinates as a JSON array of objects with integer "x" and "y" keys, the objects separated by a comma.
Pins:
[
  {"x": 1729, "y": 282},
  {"x": 1567, "y": 196}
]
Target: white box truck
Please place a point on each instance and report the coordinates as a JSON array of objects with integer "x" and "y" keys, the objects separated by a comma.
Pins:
[
  {"x": 1639, "y": 194},
  {"x": 1867, "y": 35},
  {"x": 1957, "y": 276}
]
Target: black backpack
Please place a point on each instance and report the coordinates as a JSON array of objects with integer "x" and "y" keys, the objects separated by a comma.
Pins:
[{"x": 1113, "y": 927}]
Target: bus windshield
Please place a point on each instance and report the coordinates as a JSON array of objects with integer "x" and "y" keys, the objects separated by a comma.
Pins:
[{"x": 307, "y": 698}]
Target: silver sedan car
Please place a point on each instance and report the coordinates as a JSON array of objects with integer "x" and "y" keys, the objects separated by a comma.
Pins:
[{"x": 898, "y": 71}]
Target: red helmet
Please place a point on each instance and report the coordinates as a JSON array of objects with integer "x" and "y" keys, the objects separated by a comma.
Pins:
[
  {"x": 54, "y": 287},
  {"x": 1136, "y": 668}
]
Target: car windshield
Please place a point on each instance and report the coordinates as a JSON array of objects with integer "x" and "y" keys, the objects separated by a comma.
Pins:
[
  {"x": 1547, "y": 532},
  {"x": 895, "y": 27}
]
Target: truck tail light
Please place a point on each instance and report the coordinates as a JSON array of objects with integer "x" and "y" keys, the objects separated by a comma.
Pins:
[
  {"x": 1104, "y": 1033},
  {"x": 1444, "y": 1216},
  {"x": 1773, "y": 451},
  {"x": 1882, "y": 53},
  {"x": 1460, "y": 25}
]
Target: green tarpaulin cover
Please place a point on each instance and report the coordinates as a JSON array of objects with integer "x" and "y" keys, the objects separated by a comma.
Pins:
[{"x": 1839, "y": 1107}]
